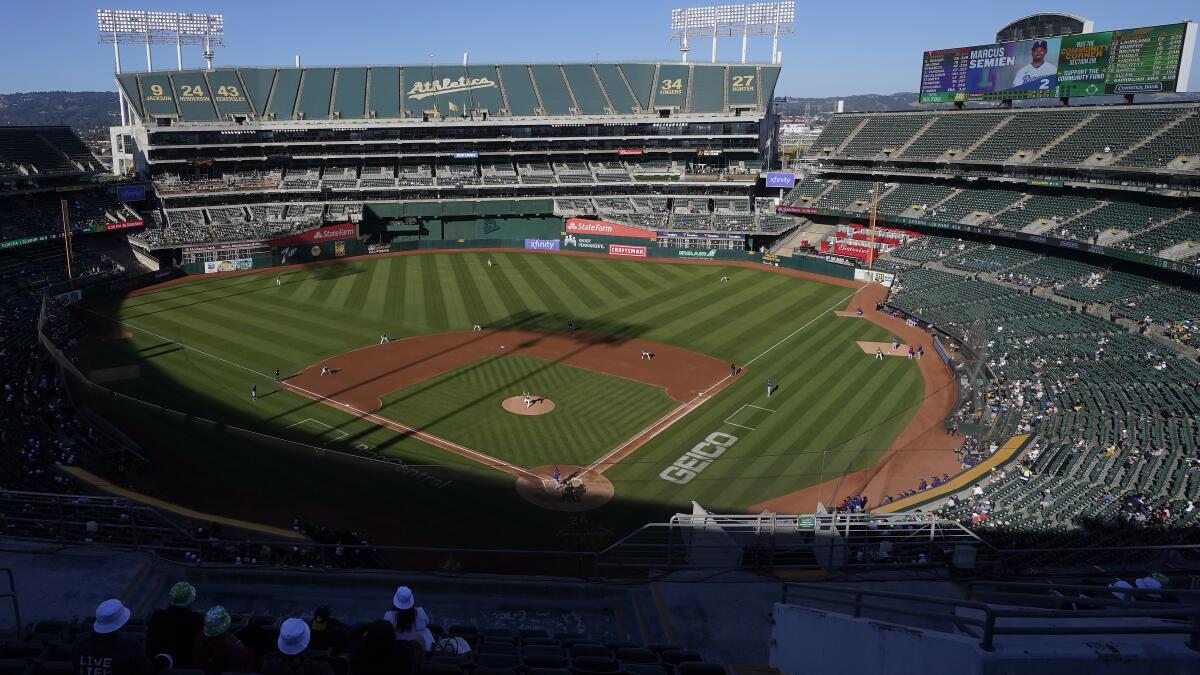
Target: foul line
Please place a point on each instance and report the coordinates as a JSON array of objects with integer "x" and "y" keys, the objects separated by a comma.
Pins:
[
  {"x": 641, "y": 438},
  {"x": 382, "y": 421}
]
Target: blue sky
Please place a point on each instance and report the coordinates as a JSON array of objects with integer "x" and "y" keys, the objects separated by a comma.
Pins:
[{"x": 839, "y": 48}]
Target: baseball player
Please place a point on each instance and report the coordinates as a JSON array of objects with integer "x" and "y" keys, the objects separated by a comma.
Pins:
[
  {"x": 278, "y": 280},
  {"x": 1038, "y": 68},
  {"x": 324, "y": 370},
  {"x": 911, "y": 352},
  {"x": 724, "y": 279},
  {"x": 383, "y": 339},
  {"x": 557, "y": 482},
  {"x": 920, "y": 352},
  {"x": 895, "y": 343},
  {"x": 490, "y": 263},
  {"x": 878, "y": 354},
  {"x": 277, "y": 376},
  {"x": 528, "y": 399},
  {"x": 770, "y": 386},
  {"x": 733, "y": 369},
  {"x": 254, "y": 392},
  {"x": 475, "y": 328}
]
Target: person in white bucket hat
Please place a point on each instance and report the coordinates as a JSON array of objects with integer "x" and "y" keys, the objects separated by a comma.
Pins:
[
  {"x": 107, "y": 648},
  {"x": 411, "y": 622},
  {"x": 294, "y": 635}
]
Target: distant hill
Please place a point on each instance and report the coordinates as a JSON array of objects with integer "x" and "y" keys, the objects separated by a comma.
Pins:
[
  {"x": 793, "y": 105},
  {"x": 89, "y": 113}
]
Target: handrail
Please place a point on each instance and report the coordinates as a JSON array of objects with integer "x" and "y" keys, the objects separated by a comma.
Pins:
[
  {"x": 12, "y": 597},
  {"x": 1126, "y": 609}
]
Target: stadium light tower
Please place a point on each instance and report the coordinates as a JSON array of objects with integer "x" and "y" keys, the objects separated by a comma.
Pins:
[
  {"x": 759, "y": 18},
  {"x": 126, "y": 26}
]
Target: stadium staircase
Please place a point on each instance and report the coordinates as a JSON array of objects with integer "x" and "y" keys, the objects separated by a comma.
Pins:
[
  {"x": 1047, "y": 225},
  {"x": 654, "y": 89},
  {"x": 1004, "y": 121},
  {"x": 575, "y": 108},
  {"x": 541, "y": 107},
  {"x": 1160, "y": 132},
  {"x": 850, "y": 136},
  {"x": 1030, "y": 159},
  {"x": 628, "y": 87},
  {"x": 1105, "y": 239},
  {"x": 687, "y": 95},
  {"x": 899, "y": 152}
]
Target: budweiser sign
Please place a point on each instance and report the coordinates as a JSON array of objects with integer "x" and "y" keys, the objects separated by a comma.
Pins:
[{"x": 421, "y": 90}]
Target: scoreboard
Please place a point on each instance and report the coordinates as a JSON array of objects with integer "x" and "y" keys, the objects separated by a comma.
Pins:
[{"x": 1131, "y": 61}]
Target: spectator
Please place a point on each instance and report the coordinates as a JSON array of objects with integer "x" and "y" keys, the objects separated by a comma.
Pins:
[
  {"x": 328, "y": 633},
  {"x": 294, "y": 636},
  {"x": 104, "y": 651},
  {"x": 381, "y": 654},
  {"x": 172, "y": 631},
  {"x": 411, "y": 622},
  {"x": 216, "y": 649}
]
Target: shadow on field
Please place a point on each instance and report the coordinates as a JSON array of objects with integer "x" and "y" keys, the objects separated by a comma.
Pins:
[
  {"x": 587, "y": 334},
  {"x": 426, "y": 497}
]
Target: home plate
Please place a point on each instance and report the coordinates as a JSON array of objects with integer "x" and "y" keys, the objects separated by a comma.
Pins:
[{"x": 870, "y": 347}]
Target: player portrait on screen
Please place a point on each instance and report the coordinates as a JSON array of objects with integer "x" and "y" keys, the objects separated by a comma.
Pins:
[{"x": 1041, "y": 72}]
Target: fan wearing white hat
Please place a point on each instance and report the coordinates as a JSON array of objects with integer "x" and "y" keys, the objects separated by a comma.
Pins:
[
  {"x": 106, "y": 649},
  {"x": 294, "y": 636},
  {"x": 411, "y": 622}
]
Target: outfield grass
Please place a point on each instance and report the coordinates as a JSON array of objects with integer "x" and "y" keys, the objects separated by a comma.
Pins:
[
  {"x": 836, "y": 409},
  {"x": 593, "y": 412}
]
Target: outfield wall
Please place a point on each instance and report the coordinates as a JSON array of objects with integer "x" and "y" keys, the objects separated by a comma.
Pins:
[{"x": 624, "y": 247}]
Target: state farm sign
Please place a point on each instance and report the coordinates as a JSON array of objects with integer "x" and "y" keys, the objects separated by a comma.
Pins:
[
  {"x": 327, "y": 233},
  {"x": 621, "y": 249},
  {"x": 584, "y": 226}
]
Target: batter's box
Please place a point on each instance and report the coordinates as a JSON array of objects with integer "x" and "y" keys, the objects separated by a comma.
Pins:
[
  {"x": 326, "y": 432},
  {"x": 748, "y": 416}
]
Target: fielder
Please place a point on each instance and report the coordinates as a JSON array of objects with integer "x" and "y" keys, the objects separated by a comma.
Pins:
[
  {"x": 276, "y": 376},
  {"x": 878, "y": 354},
  {"x": 895, "y": 343},
  {"x": 490, "y": 263},
  {"x": 324, "y": 370},
  {"x": 254, "y": 392},
  {"x": 278, "y": 280},
  {"x": 770, "y": 386},
  {"x": 383, "y": 339},
  {"x": 475, "y": 328}
]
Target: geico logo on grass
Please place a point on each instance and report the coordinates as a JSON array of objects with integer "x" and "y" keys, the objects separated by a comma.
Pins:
[{"x": 698, "y": 458}]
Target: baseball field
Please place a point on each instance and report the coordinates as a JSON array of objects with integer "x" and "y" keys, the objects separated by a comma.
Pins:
[{"x": 637, "y": 395}]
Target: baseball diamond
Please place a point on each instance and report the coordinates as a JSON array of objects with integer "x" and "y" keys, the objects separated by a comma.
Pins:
[{"x": 431, "y": 396}]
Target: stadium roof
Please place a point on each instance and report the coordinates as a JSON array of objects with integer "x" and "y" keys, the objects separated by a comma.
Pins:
[{"x": 411, "y": 92}]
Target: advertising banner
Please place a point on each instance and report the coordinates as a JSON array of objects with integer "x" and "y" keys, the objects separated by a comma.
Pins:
[
  {"x": 326, "y": 233},
  {"x": 131, "y": 193},
  {"x": 710, "y": 254},
  {"x": 884, "y": 278},
  {"x": 379, "y": 248},
  {"x": 466, "y": 155},
  {"x": 622, "y": 249},
  {"x": 1129, "y": 61},
  {"x": 698, "y": 235},
  {"x": 541, "y": 245},
  {"x": 108, "y": 227},
  {"x": 600, "y": 227},
  {"x": 575, "y": 241},
  {"x": 779, "y": 179},
  {"x": 236, "y": 265},
  {"x": 625, "y": 152}
]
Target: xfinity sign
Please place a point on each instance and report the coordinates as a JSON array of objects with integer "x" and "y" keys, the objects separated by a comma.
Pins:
[
  {"x": 780, "y": 179},
  {"x": 541, "y": 245}
]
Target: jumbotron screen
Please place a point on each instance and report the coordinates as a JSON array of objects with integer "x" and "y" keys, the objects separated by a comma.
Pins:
[{"x": 1133, "y": 61}]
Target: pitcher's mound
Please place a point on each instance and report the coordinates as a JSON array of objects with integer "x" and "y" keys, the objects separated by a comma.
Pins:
[
  {"x": 516, "y": 405},
  {"x": 592, "y": 490}
]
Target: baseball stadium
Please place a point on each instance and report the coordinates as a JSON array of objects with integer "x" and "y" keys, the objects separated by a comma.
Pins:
[{"x": 571, "y": 341}]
